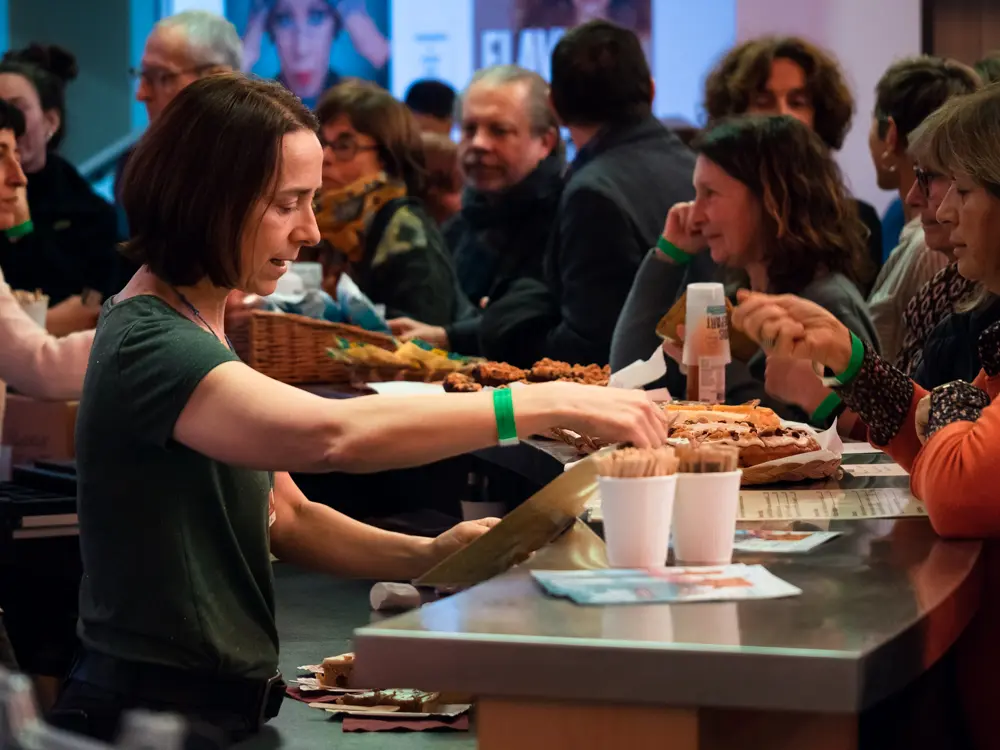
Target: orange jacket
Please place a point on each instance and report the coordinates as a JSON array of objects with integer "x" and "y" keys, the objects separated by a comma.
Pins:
[
  {"x": 957, "y": 476},
  {"x": 955, "y": 473}
]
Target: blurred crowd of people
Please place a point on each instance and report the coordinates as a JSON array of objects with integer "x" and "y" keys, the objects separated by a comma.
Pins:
[{"x": 459, "y": 214}]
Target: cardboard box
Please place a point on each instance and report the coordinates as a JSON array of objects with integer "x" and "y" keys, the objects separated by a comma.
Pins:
[{"x": 39, "y": 429}]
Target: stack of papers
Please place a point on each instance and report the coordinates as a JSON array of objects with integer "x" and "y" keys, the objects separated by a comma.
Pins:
[
  {"x": 665, "y": 585},
  {"x": 766, "y": 540}
]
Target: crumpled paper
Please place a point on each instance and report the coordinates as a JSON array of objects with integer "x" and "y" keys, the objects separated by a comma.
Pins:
[{"x": 642, "y": 372}]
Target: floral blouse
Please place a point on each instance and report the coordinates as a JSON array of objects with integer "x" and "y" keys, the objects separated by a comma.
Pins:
[
  {"x": 933, "y": 303},
  {"x": 881, "y": 394}
]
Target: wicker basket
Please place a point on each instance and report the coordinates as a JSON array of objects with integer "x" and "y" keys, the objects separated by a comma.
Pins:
[{"x": 293, "y": 348}]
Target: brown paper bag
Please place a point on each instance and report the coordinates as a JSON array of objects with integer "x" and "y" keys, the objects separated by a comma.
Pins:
[{"x": 741, "y": 346}]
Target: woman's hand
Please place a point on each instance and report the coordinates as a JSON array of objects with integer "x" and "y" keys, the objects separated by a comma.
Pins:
[
  {"x": 789, "y": 326},
  {"x": 458, "y": 537},
  {"x": 253, "y": 36},
  {"x": 794, "y": 381},
  {"x": 680, "y": 231},
  {"x": 370, "y": 43},
  {"x": 71, "y": 315},
  {"x": 921, "y": 417},
  {"x": 615, "y": 415},
  {"x": 407, "y": 329}
]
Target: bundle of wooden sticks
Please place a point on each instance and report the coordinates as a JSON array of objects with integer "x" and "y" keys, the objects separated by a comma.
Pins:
[
  {"x": 704, "y": 458},
  {"x": 637, "y": 463}
]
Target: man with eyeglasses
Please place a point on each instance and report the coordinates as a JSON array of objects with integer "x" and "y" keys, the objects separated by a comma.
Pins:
[
  {"x": 908, "y": 92},
  {"x": 179, "y": 50}
]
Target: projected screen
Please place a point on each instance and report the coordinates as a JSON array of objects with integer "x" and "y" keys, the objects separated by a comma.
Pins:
[{"x": 309, "y": 45}]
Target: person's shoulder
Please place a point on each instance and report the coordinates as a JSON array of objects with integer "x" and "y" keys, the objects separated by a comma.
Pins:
[
  {"x": 407, "y": 229},
  {"x": 866, "y": 211},
  {"x": 77, "y": 192},
  {"x": 835, "y": 291},
  {"x": 145, "y": 319}
]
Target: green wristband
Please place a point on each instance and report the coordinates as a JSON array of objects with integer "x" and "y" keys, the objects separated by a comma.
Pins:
[
  {"x": 673, "y": 252},
  {"x": 20, "y": 230},
  {"x": 854, "y": 366},
  {"x": 825, "y": 409},
  {"x": 503, "y": 410}
]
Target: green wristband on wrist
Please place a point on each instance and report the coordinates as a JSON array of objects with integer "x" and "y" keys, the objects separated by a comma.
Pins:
[
  {"x": 673, "y": 252},
  {"x": 825, "y": 409},
  {"x": 854, "y": 366},
  {"x": 20, "y": 230},
  {"x": 503, "y": 410}
]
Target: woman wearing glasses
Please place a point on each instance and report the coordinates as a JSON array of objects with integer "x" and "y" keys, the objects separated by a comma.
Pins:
[
  {"x": 370, "y": 213},
  {"x": 908, "y": 92},
  {"x": 64, "y": 238}
]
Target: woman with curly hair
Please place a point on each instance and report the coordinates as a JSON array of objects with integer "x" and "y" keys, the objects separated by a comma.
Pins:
[
  {"x": 790, "y": 76},
  {"x": 770, "y": 204}
]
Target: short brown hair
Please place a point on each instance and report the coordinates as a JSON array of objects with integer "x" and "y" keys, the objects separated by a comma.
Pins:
[
  {"x": 192, "y": 183},
  {"x": 811, "y": 223},
  {"x": 441, "y": 155},
  {"x": 375, "y": 112},
  {"x": 744, "y": 72},
  {"x": 913, "y": 88},
  {"x": 963, "y": 136}
]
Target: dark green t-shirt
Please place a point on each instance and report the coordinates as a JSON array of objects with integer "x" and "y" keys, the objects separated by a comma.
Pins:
[{"x": 176, "y": 566}]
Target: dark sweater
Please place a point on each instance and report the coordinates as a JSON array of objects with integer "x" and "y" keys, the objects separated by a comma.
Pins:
[
  {"x": 408, "y": 269},
  {"x": 73, "y": 245},
  {"x": 659, "y": 284},
  {"x": 952, "y": 349},
  {"x": 500, "y": 238},
  {"x": 618, "y": 192}
]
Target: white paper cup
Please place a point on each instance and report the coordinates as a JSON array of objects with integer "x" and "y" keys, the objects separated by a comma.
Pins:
[
  {"x": 705, "y": 517},
  {"x": 637, "y": 515},
  {"x": 701, "y": 299},
  {"x": 37, "y": 310}
]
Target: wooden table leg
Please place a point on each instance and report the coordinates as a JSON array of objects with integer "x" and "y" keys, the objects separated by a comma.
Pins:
[
  {"x": 511, "y": 724},
  {"x": 508, "y": 724},
  {"x": 722, "y": 729}
]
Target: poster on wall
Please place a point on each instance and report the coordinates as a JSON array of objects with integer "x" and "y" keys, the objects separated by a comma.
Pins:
[
  {"x": 526, "y": 31},
  {"x": 450, "y": 39},
  {"x": 309, "y": 45}
]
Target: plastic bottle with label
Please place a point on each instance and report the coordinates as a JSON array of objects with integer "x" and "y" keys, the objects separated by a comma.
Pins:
[{"x": 706, "y": 343}]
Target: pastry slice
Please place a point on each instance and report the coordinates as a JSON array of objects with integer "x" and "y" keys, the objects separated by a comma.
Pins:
[{"x": 336, "y": 671}]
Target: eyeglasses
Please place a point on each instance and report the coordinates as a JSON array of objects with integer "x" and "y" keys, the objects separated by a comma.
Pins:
[
  {"x": 158, "y": 78},
  {"x": 346, "y": 149},
  {"x": 924, "y": 179}
]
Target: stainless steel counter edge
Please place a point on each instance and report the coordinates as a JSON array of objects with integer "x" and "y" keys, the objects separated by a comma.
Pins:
[
  {"x": 677, "y": 674},
  {"x": 625, "y": 672}
]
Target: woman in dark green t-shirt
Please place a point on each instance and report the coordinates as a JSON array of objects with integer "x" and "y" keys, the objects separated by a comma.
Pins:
[{"x": 183, "y": 451}]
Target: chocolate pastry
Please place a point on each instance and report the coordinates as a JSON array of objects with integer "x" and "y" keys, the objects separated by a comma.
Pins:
[
  {"x": 547, "y": 370},
  {"x": 457, "y": 382},
  {"x": 496, "y": 374}
]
